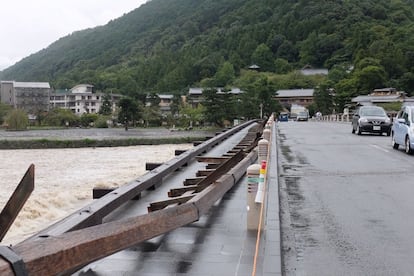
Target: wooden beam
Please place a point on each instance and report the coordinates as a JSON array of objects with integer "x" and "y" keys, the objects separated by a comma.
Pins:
[
  {"x": 192, "y": 181},
  {"x": 179, "y": 152},
  {"x": 59, "y": 255},
  {"x": 226, "y": 166},
  {"x": 211, "y": 160},
  {"x": 149, "y": 166},
  {"x": 204, "y": 172},
  {"x": 212, "y": 166},
  {"x": 180, "y": 191},
  {"x": 16, "y": 201},
  {"x": 101, "y": 192},
  {"x": 154, "y": 206}
]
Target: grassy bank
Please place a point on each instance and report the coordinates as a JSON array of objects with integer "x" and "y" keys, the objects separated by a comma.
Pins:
[{"x": 81, "y": 143}]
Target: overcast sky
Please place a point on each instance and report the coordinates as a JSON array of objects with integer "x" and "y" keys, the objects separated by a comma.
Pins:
[{"x": 27, "y": 26}]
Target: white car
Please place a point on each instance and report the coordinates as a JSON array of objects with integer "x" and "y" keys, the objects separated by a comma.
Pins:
[{"x": 403, "y": 129}]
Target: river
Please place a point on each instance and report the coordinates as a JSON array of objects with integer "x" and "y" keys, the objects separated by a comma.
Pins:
[{"x": 64, "y": 179}]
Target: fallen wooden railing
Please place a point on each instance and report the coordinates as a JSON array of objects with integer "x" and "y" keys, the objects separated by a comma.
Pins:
[
  {"x": 93, "y": 213},
  {"x": 61, "y": 254}
]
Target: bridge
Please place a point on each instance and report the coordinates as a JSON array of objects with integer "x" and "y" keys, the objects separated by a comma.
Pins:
[{"x": 184, "y": 217}]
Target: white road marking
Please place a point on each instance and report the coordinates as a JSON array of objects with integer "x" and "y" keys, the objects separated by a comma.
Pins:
[{"x": 380, "y": 148}]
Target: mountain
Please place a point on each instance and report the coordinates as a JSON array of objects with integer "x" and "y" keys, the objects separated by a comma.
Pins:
[{"x": 168, "y": 45}]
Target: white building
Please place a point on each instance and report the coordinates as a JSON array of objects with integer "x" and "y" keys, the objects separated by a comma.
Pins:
[{"x": 80, "y": 99}]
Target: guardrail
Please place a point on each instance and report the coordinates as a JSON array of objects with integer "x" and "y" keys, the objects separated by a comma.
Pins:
[
  {"x": 81, "y": 238},
  {"x": 340, "y": 117}
]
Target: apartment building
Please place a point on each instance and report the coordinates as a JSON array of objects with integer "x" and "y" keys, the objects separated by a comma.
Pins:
[
  {"x": 81, "y": 99},
  {"x": 32, "y": 97}
]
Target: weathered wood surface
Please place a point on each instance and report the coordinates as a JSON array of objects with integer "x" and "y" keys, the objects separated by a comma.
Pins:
[
  {"x": 192, "y": 181},
  {"x": 15, "y": 203},
  {"x": 149, "y": 166},
  {"x": 211, "y": 160},
  {"x": 54, "y": 255}
]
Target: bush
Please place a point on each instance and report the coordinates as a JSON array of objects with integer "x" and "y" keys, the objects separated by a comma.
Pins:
[
  {"x": 101, "y": 122},
  {"x": 61, "y": 117},
  {"x": 17, "y": 120},
  {"x": 88, "y": 119}
]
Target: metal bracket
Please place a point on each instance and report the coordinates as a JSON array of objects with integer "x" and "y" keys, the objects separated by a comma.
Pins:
[{"x": 16, "y": 262}]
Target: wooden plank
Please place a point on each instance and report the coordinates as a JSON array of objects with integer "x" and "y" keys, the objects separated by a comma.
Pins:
[
  {"x": 206, "y": 198},
  {"x": 211, "y": 160},
  {"x": 149, "y": 166},
  {"x": 204, "y": 172},
  {"x": 179, "y": 152},
  {"x": 16, "y": 201},
  {"x": 180, "y": 191},
  {"x": 212, "y": 166},
  {"x": 192, "y": 181},
  {"x": 154, "y": 206},
  {"x": 196, "y": 143},
  {"x": 226, "y": 166},
  {"x": 100, "y": 192},
  {"x": 59, "y": 255}
]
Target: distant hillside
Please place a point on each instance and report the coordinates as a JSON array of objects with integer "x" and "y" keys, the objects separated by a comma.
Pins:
[{"x": 168, "y": 45}]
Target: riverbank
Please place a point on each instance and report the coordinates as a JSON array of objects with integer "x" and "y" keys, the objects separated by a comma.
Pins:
[{"x": 112, "y": 137}]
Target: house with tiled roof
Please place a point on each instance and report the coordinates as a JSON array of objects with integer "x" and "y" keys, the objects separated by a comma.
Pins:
[
  {"x": 288, "y": 97},
  {"x": 382, "y": 95},
  {"x": 195, "y": 94}
]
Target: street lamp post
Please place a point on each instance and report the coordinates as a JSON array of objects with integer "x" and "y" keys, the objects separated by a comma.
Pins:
[{"x": 261, "y": 110}]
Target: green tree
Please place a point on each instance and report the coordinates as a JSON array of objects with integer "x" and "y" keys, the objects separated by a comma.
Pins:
[
  {"x": 88, "y": 119},
  {"x": 249, "y": 104},
  {"x": 225, "y": 75},
  {"x": 130, "y": 110},
  {"x": 282, "y": 66},
  {"x": 17, "y": 120},
  {"x": 265, "y": 92},
  {"x": 371, "y": 77},
  {"x": 323, "y": 97},
  {"x": 213, "y": 103},
  {"x": 263, "y": 56},
  {"x": 407, "y": 83},
  {"x": 106, "y": 107},
  {"x": 191, "y": 116},
  {"x": 60, "y": 117},
  {"x": 4, "y": 110}
]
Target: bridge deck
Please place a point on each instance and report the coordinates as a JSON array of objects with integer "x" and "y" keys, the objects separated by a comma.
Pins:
[{"x": 217, "y": 244}]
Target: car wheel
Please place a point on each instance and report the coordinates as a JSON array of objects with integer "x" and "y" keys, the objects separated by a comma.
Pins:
[
  {"x": 394, "y": 144},
  {"x": 408, "y": 149},
  {"x": 358, "y": 130}
]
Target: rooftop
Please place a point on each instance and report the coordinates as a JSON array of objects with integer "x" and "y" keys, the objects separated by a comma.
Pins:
[
  {"x": 31, "y": 84},
  {"x": 295, "y": 93},
  {"x": 199, "y": 91}
]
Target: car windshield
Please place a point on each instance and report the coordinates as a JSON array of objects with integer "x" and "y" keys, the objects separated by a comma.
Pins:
[
  {"x": 303, "y": 113},
  {"x": 372, "y": 112}
]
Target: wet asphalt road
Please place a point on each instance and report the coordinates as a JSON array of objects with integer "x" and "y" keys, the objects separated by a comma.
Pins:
[{"x": 347, "y": 202}]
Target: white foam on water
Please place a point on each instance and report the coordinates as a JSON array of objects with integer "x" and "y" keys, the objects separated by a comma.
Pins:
[{"x": 64, "y": 179}]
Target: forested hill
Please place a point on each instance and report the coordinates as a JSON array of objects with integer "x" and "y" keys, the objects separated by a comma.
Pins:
[{"x": 168, "y": 45}]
